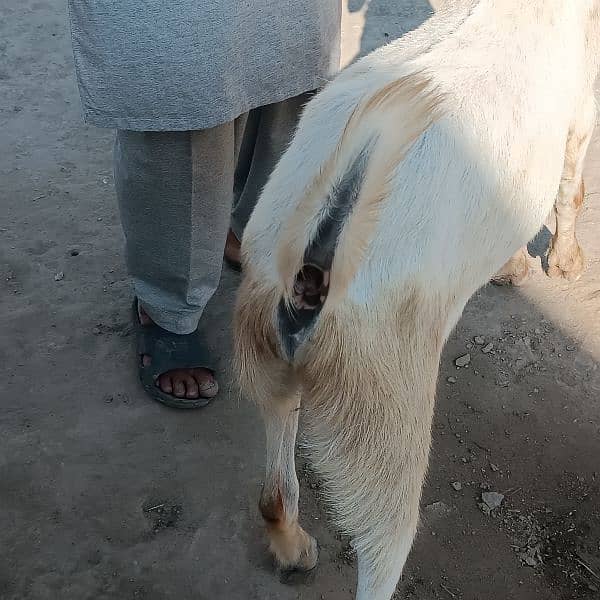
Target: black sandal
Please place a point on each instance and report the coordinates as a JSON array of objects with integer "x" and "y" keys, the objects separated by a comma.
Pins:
[{"x": 168, "y": 351}]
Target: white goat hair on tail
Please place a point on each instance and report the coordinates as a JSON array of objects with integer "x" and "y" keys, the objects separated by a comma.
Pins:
[{"x": 412, "y": 178}]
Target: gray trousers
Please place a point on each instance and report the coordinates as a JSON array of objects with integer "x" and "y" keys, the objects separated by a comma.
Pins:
[{"x": 179, "y": 192}]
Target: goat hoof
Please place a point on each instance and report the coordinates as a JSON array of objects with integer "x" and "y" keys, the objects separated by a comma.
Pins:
[
  {"x": 565, "y": 262},
  {"x": 307, "y": 558},
  {"x": 294, "y": 550},
  {"x": 309, "y": 562},
  {"x": 510, "y": 279},
  {"x": 514, "y": 273}
]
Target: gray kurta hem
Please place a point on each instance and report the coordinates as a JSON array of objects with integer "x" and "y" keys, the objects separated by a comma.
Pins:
[
  {"x": 151, "y": 65},
  {"x": 188, "y": 123}
]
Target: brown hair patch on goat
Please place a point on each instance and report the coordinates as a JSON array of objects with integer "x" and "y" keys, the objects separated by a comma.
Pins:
[
  {"x": 255, "y": 340},
  {"x": 579, "y": 196},
  {"x": 271, "y": 506}
]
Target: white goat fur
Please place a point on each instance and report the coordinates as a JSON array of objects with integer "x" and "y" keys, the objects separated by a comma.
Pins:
[{"x": 471, "y": 116}]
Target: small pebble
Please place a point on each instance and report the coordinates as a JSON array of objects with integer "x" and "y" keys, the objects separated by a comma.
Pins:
[
  {"x": 451, "y": 380},
  {"x": 456, "y": 485},
  {"x": 570, "y": 349},
  {"x": 479, "y": 340},
  {"x": 463, "y": 361},
  {"x": 503, "y": 379},
  {"x": 487, "y": 348},
  {"x": 492, "y": 499},
  {"x": 59, "y": 276},
  {"x": 436, "y": 510}
]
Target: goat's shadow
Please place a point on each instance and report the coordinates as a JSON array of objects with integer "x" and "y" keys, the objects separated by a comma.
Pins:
[
  {"x": 540, "y": 245},
  {"x": 387, "y": 20}
]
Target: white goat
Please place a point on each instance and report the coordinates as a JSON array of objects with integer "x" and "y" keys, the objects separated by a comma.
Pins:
[{"x": 411, "y": 179}]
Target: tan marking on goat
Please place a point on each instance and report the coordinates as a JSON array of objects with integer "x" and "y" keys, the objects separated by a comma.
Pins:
[
  {"x": 342, "y": 335},
  {"x": 254, "y": 332},
  {"x": 579, "y": 197},
  {"x": 413, "y": 85},
  {"x": 271, "y": 507}
]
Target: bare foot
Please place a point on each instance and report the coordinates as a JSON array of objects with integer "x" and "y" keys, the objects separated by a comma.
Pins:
[
  {"x": 182, "y": 383},
  {"x": 233, "y": 253}
]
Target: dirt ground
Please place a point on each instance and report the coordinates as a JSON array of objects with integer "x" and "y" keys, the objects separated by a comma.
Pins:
[{"x": 107, "y": 495}]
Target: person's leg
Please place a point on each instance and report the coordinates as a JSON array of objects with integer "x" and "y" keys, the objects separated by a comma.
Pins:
[
  {"x": 267, "y": 134},
  {"x": 174, "y": 191}
]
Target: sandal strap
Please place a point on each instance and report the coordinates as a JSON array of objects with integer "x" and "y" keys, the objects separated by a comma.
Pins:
[{"x": 168, "y": 350}]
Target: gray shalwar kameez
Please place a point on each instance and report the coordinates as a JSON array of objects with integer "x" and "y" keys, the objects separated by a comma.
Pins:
[{"x": 205, "y": 96}]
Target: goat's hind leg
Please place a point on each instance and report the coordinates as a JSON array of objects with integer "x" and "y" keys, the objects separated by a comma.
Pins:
[
  {"x": 272, "y": 384},
  {"x": 291, "y": 546},
  {"x": 374, "y": 472},
  {"x": 565, "y": 258},
  {"x": 368, "y": 430}
]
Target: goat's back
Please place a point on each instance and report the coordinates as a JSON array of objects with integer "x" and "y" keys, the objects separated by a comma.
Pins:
[{"x": 463, "y": 124}]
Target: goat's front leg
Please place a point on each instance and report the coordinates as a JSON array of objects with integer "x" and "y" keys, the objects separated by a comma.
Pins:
[
  {"x": 291, "y": 546},
  {"x": 565, "y": 258}
]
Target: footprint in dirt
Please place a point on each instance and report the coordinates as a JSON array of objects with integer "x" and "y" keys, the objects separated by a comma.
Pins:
[{"x": 162, "y": 515}]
